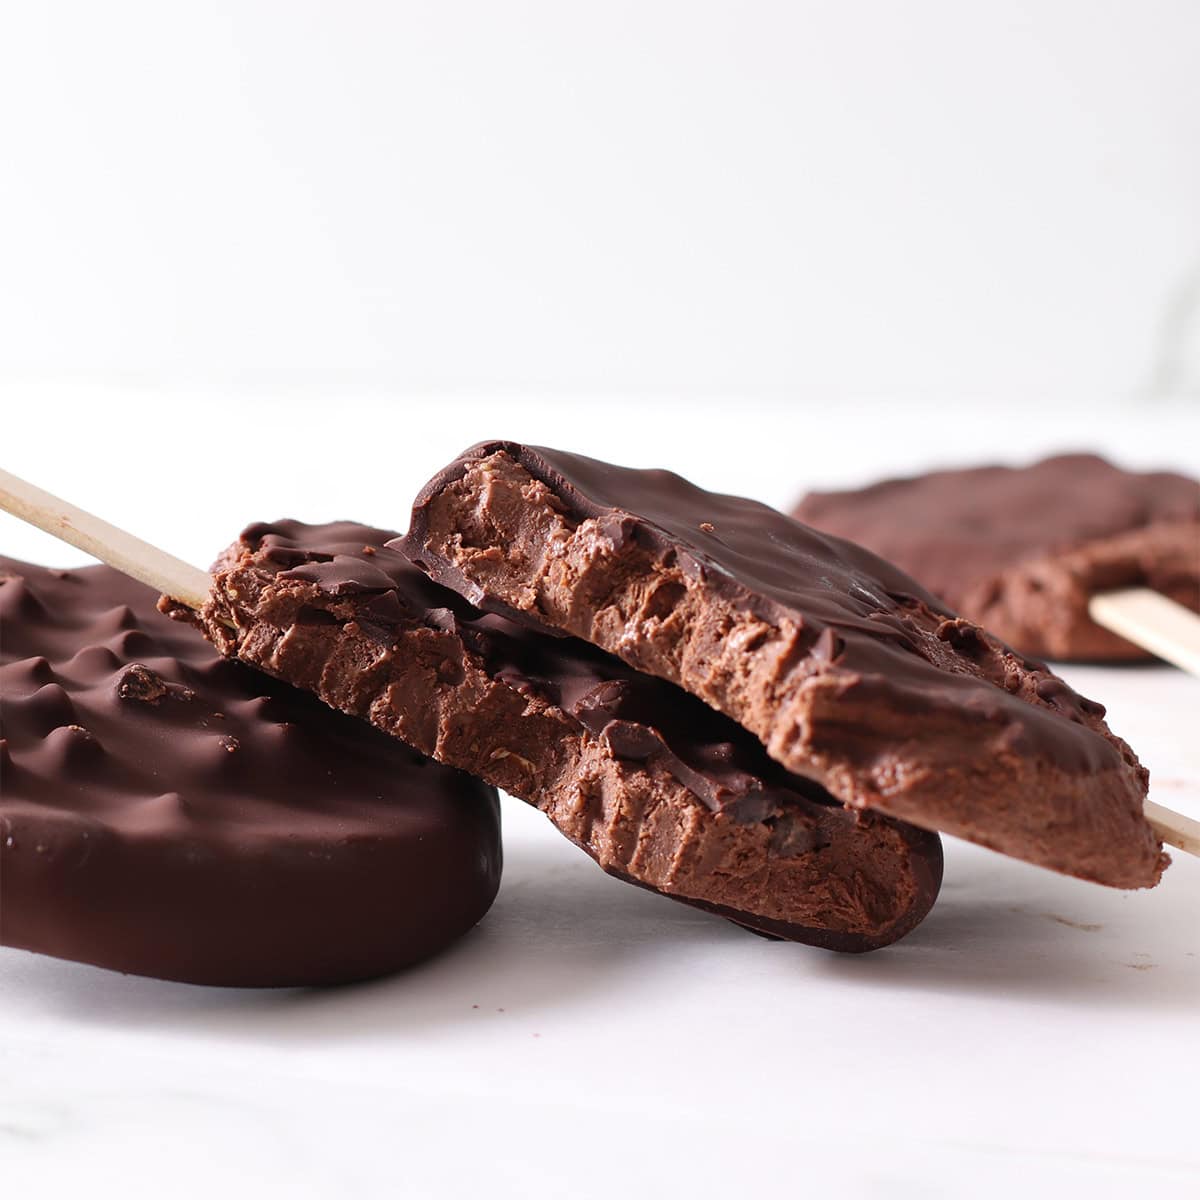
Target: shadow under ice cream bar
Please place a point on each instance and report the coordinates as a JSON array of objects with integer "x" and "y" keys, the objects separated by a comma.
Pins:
[
  {"x": 1023, "y": 551},
  {"x": 848, "y": 671},
  {"x": 655, "y": 786},
  {"x": 168, "y": 812}
]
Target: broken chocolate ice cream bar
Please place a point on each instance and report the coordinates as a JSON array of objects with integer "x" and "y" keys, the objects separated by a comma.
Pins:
[
  {"x": 656, "y": 787},
  {"x": 850, "y": 672},
  {"x": 167, "y": 812},
  {"x": 1021, "y": 551}
]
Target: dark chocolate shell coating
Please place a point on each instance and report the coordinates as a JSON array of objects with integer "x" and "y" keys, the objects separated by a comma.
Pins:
[{"x": 166, "y": 812}]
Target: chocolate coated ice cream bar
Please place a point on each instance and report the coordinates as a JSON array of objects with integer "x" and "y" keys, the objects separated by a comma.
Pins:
[
  {"x": 166, "y": 812},
  {"x": 849, "y": 672}
]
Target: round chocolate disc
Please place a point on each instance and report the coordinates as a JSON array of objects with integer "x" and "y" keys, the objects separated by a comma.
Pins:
[{"x": 167, "y": 812}]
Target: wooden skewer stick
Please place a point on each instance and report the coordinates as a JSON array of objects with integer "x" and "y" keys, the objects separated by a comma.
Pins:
[
  {"x": 181, "y": 581},
  {"x": 1173, "y": 828},
  {"x": 1152, "y": 621},
  {"x": 146, "y": 563}
]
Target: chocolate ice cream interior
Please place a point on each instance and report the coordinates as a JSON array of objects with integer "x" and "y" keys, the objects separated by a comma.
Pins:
[
  {"x": 1022, "y": 550},
  {"x": 657, "y": 787},
  {"x": 848, "y": 670},
  {"x": 167, "y": 812}
]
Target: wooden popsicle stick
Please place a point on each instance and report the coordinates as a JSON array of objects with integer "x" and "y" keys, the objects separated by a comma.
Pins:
[
  {"x": 1152, "y": 621},
  {"x": 130, "y": 555},
  {"x": 181, "y": 581},
  {"x": 1173, "y": 828}
]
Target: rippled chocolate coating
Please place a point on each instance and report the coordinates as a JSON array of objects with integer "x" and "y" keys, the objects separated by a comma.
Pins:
[
  {"x": 847, "y": 669},
  {"x": 657, "y": 787},
  {"x": 1022, "y": 550},
  {"x": 167, "y": 812}
]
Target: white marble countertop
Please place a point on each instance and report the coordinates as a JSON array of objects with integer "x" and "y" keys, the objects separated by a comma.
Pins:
[{"x": 1035, "y": 1034}]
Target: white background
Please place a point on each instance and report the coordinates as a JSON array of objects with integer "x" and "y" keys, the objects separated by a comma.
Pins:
[
  {"x": 263, "y": 259},
  {"x": 796, "y": 200}
]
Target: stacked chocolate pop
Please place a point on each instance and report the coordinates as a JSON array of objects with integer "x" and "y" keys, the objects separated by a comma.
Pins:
[{"x": 713, "y": 700}]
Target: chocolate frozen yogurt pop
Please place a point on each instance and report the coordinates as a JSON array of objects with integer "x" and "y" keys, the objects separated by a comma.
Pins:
[
  {"x": 658, "y": 788},
  {"x": 848, "y": 671},
  {"x": 1035, "y": 553}
]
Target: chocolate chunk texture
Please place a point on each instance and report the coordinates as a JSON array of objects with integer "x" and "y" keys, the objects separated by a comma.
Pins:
[
  {"x": 1022, "y": 550},
  {"x": 166, "y": 812},
  {"x": 849, "y": 672},
  {"x": 656, "y": 787}
]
